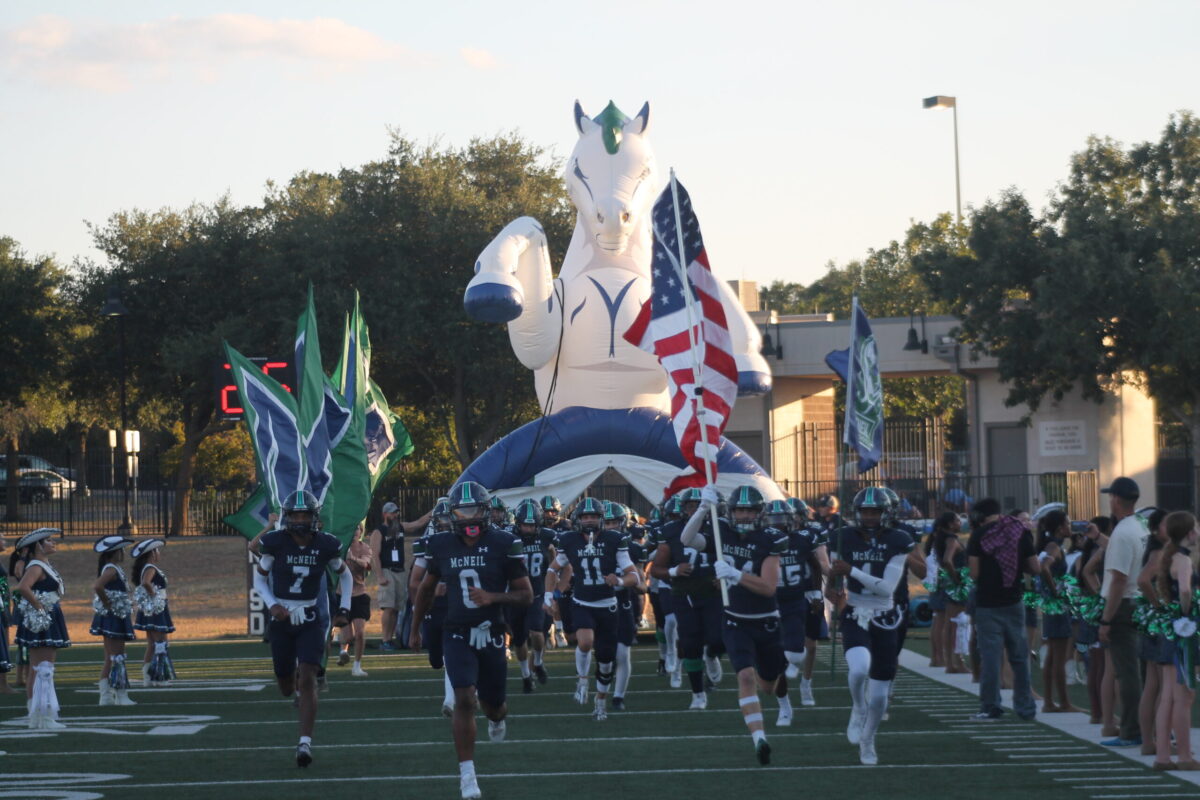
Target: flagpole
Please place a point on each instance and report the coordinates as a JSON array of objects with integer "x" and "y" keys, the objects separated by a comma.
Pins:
[
  {"x": 838, "y": 582},
  {"x": 696, "y": 370}
]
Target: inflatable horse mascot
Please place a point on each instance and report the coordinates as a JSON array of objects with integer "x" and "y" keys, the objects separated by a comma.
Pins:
[{"x": 604, "y": 401}]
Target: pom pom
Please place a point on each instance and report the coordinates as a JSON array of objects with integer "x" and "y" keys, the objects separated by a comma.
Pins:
[{"x": 38, "y": 621}]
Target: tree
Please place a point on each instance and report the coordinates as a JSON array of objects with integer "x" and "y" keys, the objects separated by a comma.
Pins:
[
  {"x": 35, "y": 336},
  {"x": 1101, "y": 289}
]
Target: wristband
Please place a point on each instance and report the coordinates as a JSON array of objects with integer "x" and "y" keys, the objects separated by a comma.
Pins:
[
  {"x": 673, "y": 572},
  {"x": 548, "y": 598}
]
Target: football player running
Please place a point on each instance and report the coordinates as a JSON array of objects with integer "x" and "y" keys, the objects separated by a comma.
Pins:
[
  {"x": 870, "y": 557},
  {"x": 528, "y": 624},
  {"x": 598, "y": 561},
  {"x": 749, "y": 564},
  {"x": 616, "y": 518},
  {"x": 431, "y": 624},
  {"x": 484, "y": 570},
  {"x": 288, "y": 578}
]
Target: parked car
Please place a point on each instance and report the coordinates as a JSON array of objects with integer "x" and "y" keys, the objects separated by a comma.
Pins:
[
  {"x": 25, "y": 462},
  {"x": 38, "y": 486}
]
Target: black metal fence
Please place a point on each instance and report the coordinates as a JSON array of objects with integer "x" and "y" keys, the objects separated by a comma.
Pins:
[{"x": 1176, "y": 472}]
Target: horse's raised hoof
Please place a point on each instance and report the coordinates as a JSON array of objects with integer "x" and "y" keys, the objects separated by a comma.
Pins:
[
  {"x": 492, "y": 302},
  {"x": 751, "y": 384}
]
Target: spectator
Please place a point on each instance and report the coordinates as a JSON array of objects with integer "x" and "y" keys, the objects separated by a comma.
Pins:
[
  {"x": 999, "y": 549},
  {"x": 358, "y": 558},
  {"x": 1122, "y": 561},
  {"x": 1053, "y": 529},
  {"x": 1088, "y": 569},
  {"x": 387, "y": 561},
  {"x": 1174, "y": 714},
  {"x": 16, "y": 567},
  {"x": 951, "y": 557},
  {"x": 1154, "y": 649}
]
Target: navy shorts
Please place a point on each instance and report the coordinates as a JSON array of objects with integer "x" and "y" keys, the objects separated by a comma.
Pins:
[
  {"x": 754, "y": 643},
  {"x": 660, "y": 616},
  {"x": 701, "y": 622},
  {"x": 881, "y": 638},
  {"x": 793, "y": 624},
  {"x": 291, "y": 643},
  {"x": 566, "y": 613},
  {"x": 938, "y": 600},
  {"x": 431, "y": 635},
  {"x": 1056, "y": 626},
  {"x": 603, "y": 624},
  {"x": 626, "y": 624},
  {"x": 816, "y": 626},
  {"x": 485, "y": 669},
  {"x": 524, "y": 620}
]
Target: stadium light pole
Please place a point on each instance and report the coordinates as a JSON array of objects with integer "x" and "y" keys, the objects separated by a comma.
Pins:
[
  {"x": 115, "y": 308},
  {"x": 940, "y": 101}
]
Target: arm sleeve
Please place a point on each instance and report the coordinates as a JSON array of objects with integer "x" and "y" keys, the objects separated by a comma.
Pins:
[
  {"x": 345, "y": 586},
  {"x": 691, "y": 531},
  {"x": 262, "y": 584},
  {"x": 885, "y": 586},
  {"x": 624, "y": 562},
  {"x": 561, "y": 560}
]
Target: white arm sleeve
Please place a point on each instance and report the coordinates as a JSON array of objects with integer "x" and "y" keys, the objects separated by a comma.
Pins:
[
  {"x": 261, "y": 584},
  {"x": 624, "y": 562},
  {"x": 561, "y": 560},
  {"x": 691, "y": 531},
  {"x": 885, "y": 586},
  {"x": 345, "y": 586}
]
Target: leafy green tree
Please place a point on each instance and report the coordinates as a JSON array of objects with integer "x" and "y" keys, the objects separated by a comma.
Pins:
[
  {"x": 34, "y": 336},
  {"x": 1099, "y": 290}
]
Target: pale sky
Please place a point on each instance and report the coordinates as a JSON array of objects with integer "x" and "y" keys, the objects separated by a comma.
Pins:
[{"x": 796, "y": 126}]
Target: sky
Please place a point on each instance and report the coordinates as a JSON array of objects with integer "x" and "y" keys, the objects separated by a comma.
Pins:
[{"x": 796, "y": 126}]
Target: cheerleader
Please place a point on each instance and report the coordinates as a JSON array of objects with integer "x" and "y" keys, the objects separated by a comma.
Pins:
[
  {"x": 5, "y": 662},
  {"x": 16, "y": 568},
  {"x": 112, "y": 619},
  {"x": 42, "y": 628},
  {"x": 154, "y": 616}
]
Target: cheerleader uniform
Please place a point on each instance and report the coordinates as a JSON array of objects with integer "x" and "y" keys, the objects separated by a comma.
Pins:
[
  {"x": 55, "y": 635},
  {"x": 1056, "y": 626},
  {"x": 160, "y": 622},
  {"x": 1156, "y": 648},
  {"x": 105, "y": 623}
]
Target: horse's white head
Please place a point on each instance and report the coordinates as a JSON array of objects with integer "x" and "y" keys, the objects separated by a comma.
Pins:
[{"x": 611, "y": 174}]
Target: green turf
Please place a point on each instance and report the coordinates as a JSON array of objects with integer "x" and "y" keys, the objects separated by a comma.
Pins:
[{"x": 384, "y": 736}]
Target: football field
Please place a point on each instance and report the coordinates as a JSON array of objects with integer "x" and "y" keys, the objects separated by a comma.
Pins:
[{"x": 223, "y": 731}]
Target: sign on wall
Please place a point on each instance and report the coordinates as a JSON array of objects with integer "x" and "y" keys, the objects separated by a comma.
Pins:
[{"x": 1062, "y": 438}]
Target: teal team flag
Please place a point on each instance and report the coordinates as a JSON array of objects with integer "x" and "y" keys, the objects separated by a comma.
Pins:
[
  {"x": 252, "y": 517},
  {"x": 350, "y": 496},
  {"x": 387, "y": 439}
]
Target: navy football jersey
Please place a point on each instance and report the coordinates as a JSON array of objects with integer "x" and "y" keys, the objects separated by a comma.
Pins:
[
  {"x": 870, "y": 554},
  {"x": 901, "y": 595},
  {"x": 747, "y": 553},
  {"x": 638, "y": 555},
  {"x": 297, "y": 571},
  {"x": 591, "y": 561},
  {"x": 701, "y": 581},
  {"x": 795, "y": 568},
  {"x": 536, "y": 550},
  {"x": 490, "y": 565}
]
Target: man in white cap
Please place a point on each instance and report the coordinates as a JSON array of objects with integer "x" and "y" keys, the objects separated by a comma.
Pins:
[{"x": 388, "y": 563}]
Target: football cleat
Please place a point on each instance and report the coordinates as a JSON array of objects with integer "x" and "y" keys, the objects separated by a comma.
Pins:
[
  {"x": 672, "y": 660},
  {"x": 322, "y": 683},
  {"x": 469, "y": 787},
  {"x": 619, "y": 704},
  {"x": 539, "y": 672},
  {"x": 806, "y": 695},
  {"x": 784, "y": 719},
  {"x": 676, "y": 679},
  {"x": 303, "y": 754},
  {"x": 662, "y": 667},
  {"x": 866, "y": 752},
  {"x": 527, "y": 685},
  {"x": 699, "y": 702},
  {"x": 762, "y": 751},
  {"x": 447, "y": 710},
  {"x": 855, "y": 728},
  {"x": 497, "y": 730},
  {"x": 581, "y": 691},
  {"x": 343, "y": 658},
  {"x": 713, "y": 669},
  {"x": 357, "y": 671},
  {"x": 600, "y": 713}
]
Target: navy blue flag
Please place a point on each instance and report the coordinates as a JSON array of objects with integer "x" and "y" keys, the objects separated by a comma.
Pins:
[{"x": 859, "y": 368}]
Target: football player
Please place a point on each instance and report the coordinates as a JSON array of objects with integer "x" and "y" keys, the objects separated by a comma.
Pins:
[
  {"x": 484, "y": 570},
  {"x": 870, "y": 557},
  {"x": 616, "y": 517},
  {"x": 797, "y": 565},
  {"x": 686, "y": 555},
  {"x": 597, "y": 563},
  {"x": 528, "y": 624},
  {"x": 288, "y": 578},
  {"x": 430, "y": 624},
  {"x": 749, "y": 564},
  {"x": 552, "y": 519}
]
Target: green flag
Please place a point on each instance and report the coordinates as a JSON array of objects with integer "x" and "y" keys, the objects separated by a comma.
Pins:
[
  {"x": 350, "y": 493},
  {"x": 387, "y": 440},
  {"x": 252, "y": 516}
]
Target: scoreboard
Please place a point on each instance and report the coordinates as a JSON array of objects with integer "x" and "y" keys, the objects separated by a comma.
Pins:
[{"x": 228, "y": 402}]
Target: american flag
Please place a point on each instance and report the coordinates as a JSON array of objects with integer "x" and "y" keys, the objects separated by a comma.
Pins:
[{"x": 662, "y": 328}]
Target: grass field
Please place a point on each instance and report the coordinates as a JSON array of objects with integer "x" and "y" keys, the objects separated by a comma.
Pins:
[{"x": 223, "y": 732}]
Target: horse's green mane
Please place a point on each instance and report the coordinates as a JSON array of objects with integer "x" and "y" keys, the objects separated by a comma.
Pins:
[{"x": 612, "y": 124}]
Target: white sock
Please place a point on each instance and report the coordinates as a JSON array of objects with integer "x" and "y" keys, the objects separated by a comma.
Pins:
[
  {"x": 758, "y": 736},
  {"x": 806, "y": 682},
  {"x": 624, "y": 669},
  {"x": 858, "y": 662},
  {"x": 449, "y": 692},
  {"x": 558, "y": 625},
  {"x": 305, "y": 740},
  {"x": 583, "y": 662},
  {"x": 525, "y": 670},
  {"x": 358, "y": 663},
  {"x": 671, "y": 629},
  {"x": 876, "y": 706},
  {"x": 466, "y": 768},
  {"x": 537, "y": 658},
  {"x": 785, "y": 703}
]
